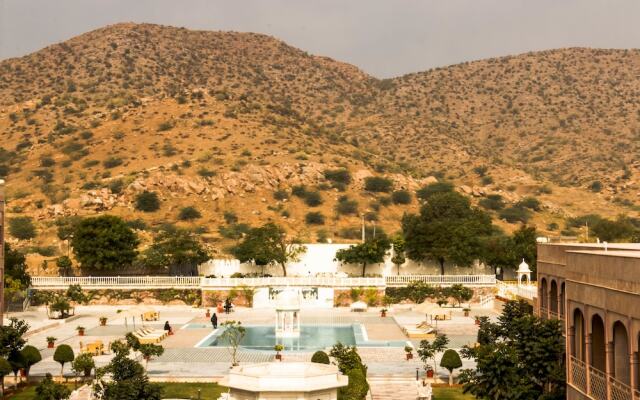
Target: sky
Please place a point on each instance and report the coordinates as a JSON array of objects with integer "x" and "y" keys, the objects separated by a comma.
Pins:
[{"x": 385, "y": 38}]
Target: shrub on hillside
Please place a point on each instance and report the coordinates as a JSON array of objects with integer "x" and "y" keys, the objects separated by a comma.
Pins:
[
  {"x": 437, "y": 187},
  {"x": 314, "y": 218},
  {"x": 401, "y": 197},
  {"x": 22, "y": 228},
  {"x": 378, "y": 184},
  {"x": 342, "y": 176},
  {"x": 147, "y": 201},
  {"x": 515, "y": 214},
  {"x": 189, "y": 213},
  {"x": 346, "y": 206},
  {"x": 492, "y": 202},
  {"x": 313, "y": 199}
]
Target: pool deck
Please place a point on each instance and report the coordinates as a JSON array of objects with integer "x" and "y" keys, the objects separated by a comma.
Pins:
[{"x": 183, "y": 361}]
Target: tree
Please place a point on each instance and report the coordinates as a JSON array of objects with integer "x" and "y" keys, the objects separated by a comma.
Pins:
[
  {"x": 233, "y": 334},
  {"x": 105, "y": 243},
  {"x": 22, "y": 228},
  {"x": 128, "y": 379},
  {"x": 150, "y": 350},
  {"x": 5, "y": 369},
  {"x": 350, "y": 364},
  {"x": 66, "y": 228},
  {"x": 399, "y": 257},
  {"x": 17, "y": 362},
  {"x": 147, "y": 201},
  {"x": 433, "y": 188},
  {"x": 460, "y": 293},
  {"x": 176, "y": 251},
  {"x": 429, "y": 350},
  {"x": 31, "y": 356},
  {"x": 189, "y": 213},
  {"x": 519, "y": 357},
  {"x": 450, "y": 361},
  {"x": 320, "y": 357},
  {"x": 269, "y": 244},
  {"x": 64, "y": 265},
  {"x": 447, "y": 229},
  {"x": 610, "y": 231},
  {"x": 83, "y": 364},
  {"x": 507, "y": 252},
  {"x": 15, "y": 267},
  {"x": 12, "y": 337},
  {"x": 47, "y": 389},
  {"x": 371, "y": 251},
  {"x": 62, "y": 355}
]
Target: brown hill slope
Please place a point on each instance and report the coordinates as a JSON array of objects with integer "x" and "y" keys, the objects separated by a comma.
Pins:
[{"x": 221, "y": 121}]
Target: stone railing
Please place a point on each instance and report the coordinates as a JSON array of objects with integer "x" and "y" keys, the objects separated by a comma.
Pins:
[
  {"x": 443, "y": 280},
  {"x": 337, "y": 282},
  {"x": 117, "y": 282},
  {"x": 514, "y": 291},
  {"x": 197, "y": 282},
  {"x": 597, "y": 384}
]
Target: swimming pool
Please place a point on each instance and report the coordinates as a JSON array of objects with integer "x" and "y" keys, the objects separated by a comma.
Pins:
[{"x": 312, "y": 337}]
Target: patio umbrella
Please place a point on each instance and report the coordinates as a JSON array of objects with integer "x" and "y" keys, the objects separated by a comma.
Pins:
[{"x": 427, "y": 308}]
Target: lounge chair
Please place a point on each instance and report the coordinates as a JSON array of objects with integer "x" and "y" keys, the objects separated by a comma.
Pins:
[{"x": 419, "y": 333}]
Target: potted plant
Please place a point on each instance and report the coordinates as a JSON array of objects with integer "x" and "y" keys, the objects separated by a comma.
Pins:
[
  {"x": 429, "y": 369},
  {"x": 80, "y": 330},
  {"x": 208, "y": 313},
  {"x": 51, "y": 342},
  {"x": 477, "y": 320},
  {"x": 466, "y": 311},
  {"x": 409, "y": 352},
  {"x": 278, "y": 348},
  {"x": 383, "y": 312},
  {"x": 103, "y": 321}
]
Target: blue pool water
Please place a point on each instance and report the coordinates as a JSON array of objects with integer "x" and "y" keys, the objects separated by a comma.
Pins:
[{"x": 312, "y": 337}]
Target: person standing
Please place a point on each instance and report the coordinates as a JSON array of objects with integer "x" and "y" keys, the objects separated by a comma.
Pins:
[{"x": 214, "y": 321}]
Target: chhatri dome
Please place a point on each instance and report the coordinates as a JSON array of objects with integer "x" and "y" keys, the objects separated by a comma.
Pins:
[
  {"x": 524, "y": 273},
  {"x": 288, "y": 300},
  {"x": 523, "y": 267}
]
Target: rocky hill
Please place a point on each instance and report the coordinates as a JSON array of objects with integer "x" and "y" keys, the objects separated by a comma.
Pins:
[{"x": 233, "y": 124}]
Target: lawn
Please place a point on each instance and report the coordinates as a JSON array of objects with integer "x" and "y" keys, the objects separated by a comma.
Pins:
[
  {"x": 450, "y": 393},
  {"x": 26, "y": 392},
  {"x": 190, "y": 390}
]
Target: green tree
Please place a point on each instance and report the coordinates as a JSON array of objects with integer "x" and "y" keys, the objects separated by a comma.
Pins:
[
  {"x": 460, "y": 293},
  {"x": 62, "y": 355},
  {"x": 147, "y": 201},
  {"x": 450, "y": 361},
  {"x": 269, "y": 244},
  {"x": 64, "y": 265},
  {"x": 31, "y": 356},
  {"x": 433, "y": 188},
  {"x": 105, "y": 242},
  {"x": 176, "y": 251},
  {"x": 507, "y": 252},
  {"x": 320, "y": 357},
  {"x": 150, "y": 350},
  {"x": 232, "y": 335},
  {"x": 17, "y": 361},
  {"x": 15, "y": 267},
  {"x": 128, "y": 379},
  {"x": 47, "y": 389},
  {"x": 83, "y": 364},
  {"x": 399, "y": 256},
  {"x": 620, "y": 229},
  {"x": 12, "y": 337},
  {"x": 370, "y": 252},
  {"x": 66, "y": 228},
  {"x": 5, "y": 369},
  {"x": 447, "y": 229},
  {"x": 429, "y": 350},
  {"x": 519, "y": 357},
  {"x": 22, "y": 228}
]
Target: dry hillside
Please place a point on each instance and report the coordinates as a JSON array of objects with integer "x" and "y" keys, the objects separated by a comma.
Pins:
[{"x": 225, "y": 121}]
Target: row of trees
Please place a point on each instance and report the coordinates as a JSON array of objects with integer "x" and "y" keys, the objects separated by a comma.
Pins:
[
  {"x": 107, "y": 243},
  {"x": 447, "y": 230}
]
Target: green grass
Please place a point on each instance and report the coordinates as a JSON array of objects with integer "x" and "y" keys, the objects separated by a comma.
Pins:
[
  {"x": 450, "y": 393},
  {"x": 26, "y": 392},
  {"x": 190, "y": 390}
]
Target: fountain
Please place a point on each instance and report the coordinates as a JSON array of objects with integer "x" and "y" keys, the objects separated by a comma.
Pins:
[{"x": 288, "y": 314}]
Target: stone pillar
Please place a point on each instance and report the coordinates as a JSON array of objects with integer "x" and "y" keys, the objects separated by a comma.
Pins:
[
  {"x": 569, "y": 345},
  {"x": 587, "y": 358},
  {"x": 633, "y": 370},
  {"x": 610, "y": 365}
]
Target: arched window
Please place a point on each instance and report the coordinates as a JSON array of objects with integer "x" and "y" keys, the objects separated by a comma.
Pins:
[
  {"x": 578, "y": 346},
  {"x": 553, "y": 297},
  {"x": 543, "y": 293},
  {"x": 562, "y": 299},
  {"x": 598, "y": 359},
  {"x": 621, "y": 368}
]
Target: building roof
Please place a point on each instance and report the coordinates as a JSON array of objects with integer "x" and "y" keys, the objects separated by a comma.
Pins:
[
  {"x": 621, "y": 246},
  {"x": 284, "y": 377},
  {"x": 609, "y": 253}
]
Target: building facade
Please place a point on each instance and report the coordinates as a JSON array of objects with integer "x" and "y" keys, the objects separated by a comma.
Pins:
[{"x": 594, "y": 290}]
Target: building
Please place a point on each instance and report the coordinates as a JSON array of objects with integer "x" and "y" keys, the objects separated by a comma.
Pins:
[
  {"x": 277, "y": 380},
  {"x": 594, "y": 289}
]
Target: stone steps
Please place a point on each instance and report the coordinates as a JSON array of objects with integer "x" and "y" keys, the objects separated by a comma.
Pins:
[{"x": 392, "y": 387}]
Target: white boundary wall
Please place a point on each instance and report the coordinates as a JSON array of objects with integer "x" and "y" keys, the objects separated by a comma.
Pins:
[{"x": 319, "y": 259}]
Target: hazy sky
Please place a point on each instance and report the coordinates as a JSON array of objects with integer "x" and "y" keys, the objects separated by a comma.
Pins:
[{"x": 383, "y": 37}]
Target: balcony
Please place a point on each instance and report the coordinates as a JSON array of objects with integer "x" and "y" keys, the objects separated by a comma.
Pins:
[{"x": 596, "y": 384}]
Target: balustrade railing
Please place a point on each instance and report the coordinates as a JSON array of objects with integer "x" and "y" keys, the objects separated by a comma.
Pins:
[
  {"x": 578, "y": 374},
  {"x": 116, "y": 282},
  {"x": 619, "y": 390},
  {"x": 513, "y": 290},
  {"x": 469, "y": 280},
  {"x": 597, "y": 384},
  {"x": 293, "y": 281}
]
